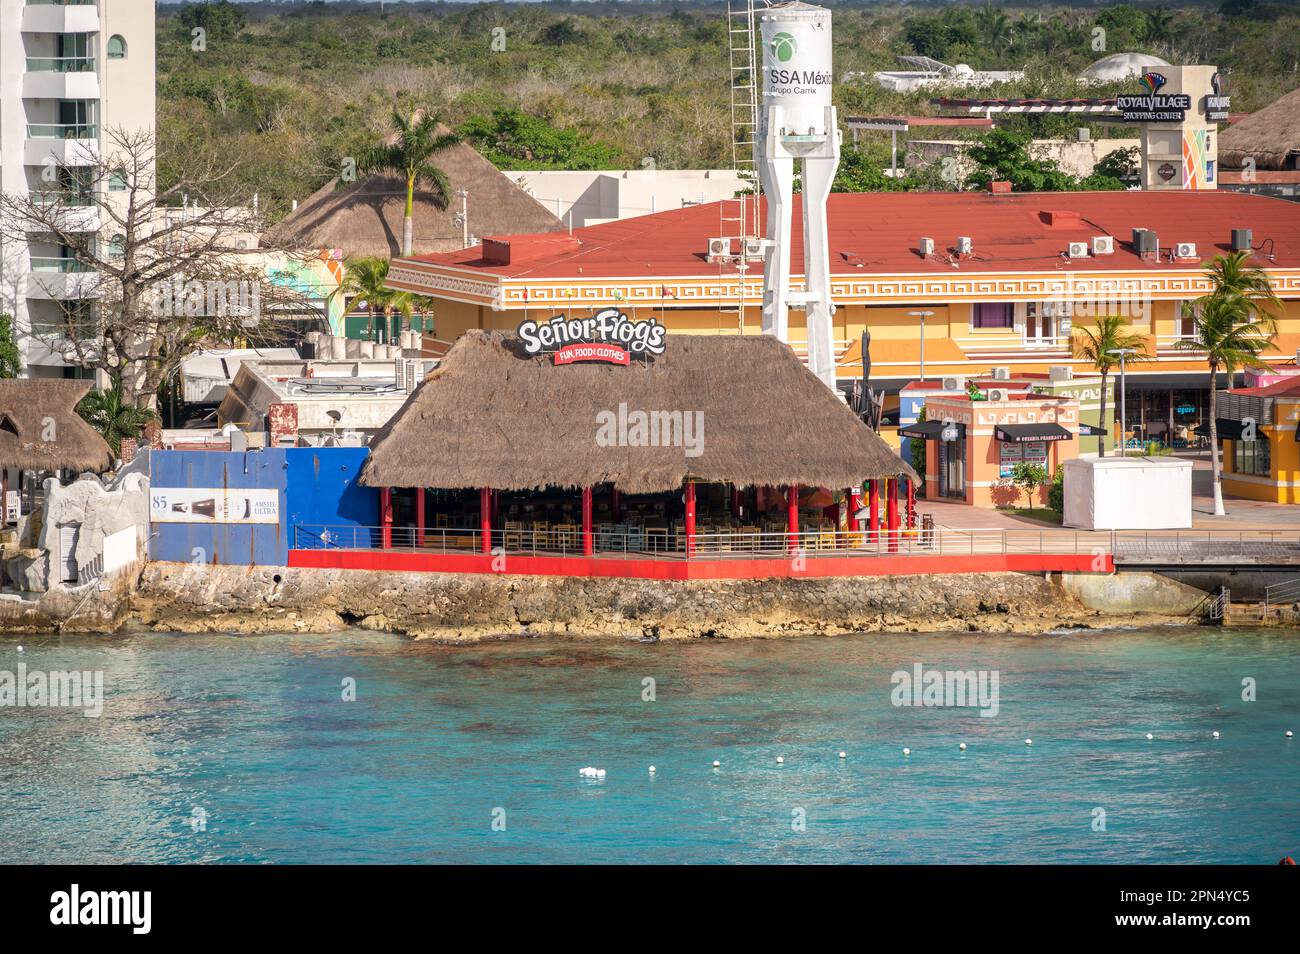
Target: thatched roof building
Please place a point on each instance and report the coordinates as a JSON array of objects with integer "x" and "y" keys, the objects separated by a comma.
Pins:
[
  {"x": 1270, "y": 136},
  {"x": 491, "y": 416},
  {"x": 41, "y": 430},
  {"x": 365, "y": 217}
]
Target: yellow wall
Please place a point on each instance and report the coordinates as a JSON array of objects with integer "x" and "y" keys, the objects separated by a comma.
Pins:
[{"x": 1283, "y": 483}]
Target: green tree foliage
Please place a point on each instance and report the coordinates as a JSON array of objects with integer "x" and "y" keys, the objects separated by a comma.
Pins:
[
  {"x": 1097, "y": 345},
  {"x": 512, "y": 139},
  {"x": 1233, "y": 324},
  {"x": 1028, "y": 476},
  {"x": 417, "y": 139},
  {"x": 222, "y": 20},
  {"x": 10, "y": 361},
  {"x": 1003, "y": 154},
  {"x": 115, "y": 417}
]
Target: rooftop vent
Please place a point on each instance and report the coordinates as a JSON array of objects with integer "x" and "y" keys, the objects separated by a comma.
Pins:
[
  {"x": 964, "y": 245},
  {"x": 1241, "y": 240},
  {"x": 1145, "y": 243},
  {"x": 1000, "y": 187}
]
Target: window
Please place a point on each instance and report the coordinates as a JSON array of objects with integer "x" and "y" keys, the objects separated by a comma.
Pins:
[
  {"x": 997, "y": 314},
  {"x": 1251, "y": 457},
  {"x": 117, "y": 181},
  {"x": 116, "y": 47},
  {"x": 115, "y": 246}
]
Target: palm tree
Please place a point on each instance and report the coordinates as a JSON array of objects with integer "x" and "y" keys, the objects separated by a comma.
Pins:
[
  {"x": 1232, "y": 325},
  {"x": 113, "y": 416},
  {"x": 417, "y": 139},
  {"x": 1096, "y": 345},
  {"x": 364, "y": 277}
]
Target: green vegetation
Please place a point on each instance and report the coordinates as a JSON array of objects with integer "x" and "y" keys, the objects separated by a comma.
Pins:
[
  {"x": 11, "y": 364},
  {"x": 1096, "y": 344},
  {"x": 409, "y": 153},
  {"x": 1028, "y": 476},
  {"x": 1232, "y": 324},
  {"x": 291, "y": 89},
  {"x": 114, "y": 416}
]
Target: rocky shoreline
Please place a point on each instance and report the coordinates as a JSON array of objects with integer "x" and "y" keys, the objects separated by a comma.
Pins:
[{"x": 466, "y": 608}]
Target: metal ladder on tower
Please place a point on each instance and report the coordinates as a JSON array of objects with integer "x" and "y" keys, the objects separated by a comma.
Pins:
[{"x": 739, "y": 216}]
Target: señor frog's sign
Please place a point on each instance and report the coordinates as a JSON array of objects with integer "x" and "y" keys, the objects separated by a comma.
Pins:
[{"x": 608, "y": 336}]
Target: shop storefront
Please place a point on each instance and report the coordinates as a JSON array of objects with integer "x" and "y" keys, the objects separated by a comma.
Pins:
[{"x": 1257, "y": 432}]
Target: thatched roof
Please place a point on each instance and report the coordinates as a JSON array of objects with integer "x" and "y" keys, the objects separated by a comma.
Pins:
[
  {"x": 41, "y": 430},
  {"x": 1269, "y": 135},
  {"x": 365, "y": 217},
  {"x": 491, "y": 416}
]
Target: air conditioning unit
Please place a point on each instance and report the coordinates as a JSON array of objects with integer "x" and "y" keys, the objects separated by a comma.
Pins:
[
  {"x": 955, "y": 382},
  {"x": 1241, "y": 240},
  {"x": 1060, "y": 372},
  {"x": 926, "y": 246},
  {"x": 1103, "y": 245},
  {"x": 719, "y": 248},
  {"x": 755, "y": 248},
  {"x": 1077, "y": 250},
  {"x": 964, "y": 245},
  {"x": 1001, "y": 374},
  {"x": 1145, "y": 242},
  {"x": 996, "y": 394},
  {"x": 1185, "y": 250}
]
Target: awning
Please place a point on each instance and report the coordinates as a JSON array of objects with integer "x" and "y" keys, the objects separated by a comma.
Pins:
[
  {"x": 1090, "y": 430},
  {"x": 931, "y": 430},
  {"x": 1023, "y": 433},
  {"x": 1228, "y": 430}
]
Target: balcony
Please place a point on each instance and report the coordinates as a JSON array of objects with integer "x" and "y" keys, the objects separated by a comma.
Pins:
[
  {"x": 60, "y": 16},
  {"x": 61, "y": 77},
  {"x": 54, "y": 278},
  {"x": 75, "y": 212},
  {"x": 74, "y": 144}
]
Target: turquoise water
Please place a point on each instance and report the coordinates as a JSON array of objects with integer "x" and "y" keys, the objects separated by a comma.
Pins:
[{"x": 253, "y": 731}]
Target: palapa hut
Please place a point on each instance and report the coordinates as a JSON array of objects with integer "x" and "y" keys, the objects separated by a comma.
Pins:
[
  {"x": 1270, "y": 136},
  {"x": 365, "y": 217},
  {"x": 749, "y": 424},
  {"x": 41, "y": 431}
]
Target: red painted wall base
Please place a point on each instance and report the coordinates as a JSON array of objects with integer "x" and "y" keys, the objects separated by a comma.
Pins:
[{"x": 732, "y": 569}]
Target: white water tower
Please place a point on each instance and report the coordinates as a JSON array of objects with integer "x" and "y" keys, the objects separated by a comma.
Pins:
[{"x": 796, "y": 121}]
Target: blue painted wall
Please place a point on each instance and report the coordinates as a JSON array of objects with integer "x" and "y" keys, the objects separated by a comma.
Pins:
[{"x": 317, "y": 485}]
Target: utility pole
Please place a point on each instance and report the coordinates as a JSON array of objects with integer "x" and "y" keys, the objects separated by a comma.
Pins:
[{"x": 1123, "y": 396}]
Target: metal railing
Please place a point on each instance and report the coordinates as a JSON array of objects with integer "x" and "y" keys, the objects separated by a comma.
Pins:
[
  {"x": 62, "y": 131},
  {"x": 1205, "y": 546},
  {"x": 60, "y": 3},
  {"x": 671, "y": 543},
  {"x": 1282, "y": 593},
  {"x": 58, "y": 197},
  {"x": 49, "y": 263},
  {"x": 60, "y": 64}
]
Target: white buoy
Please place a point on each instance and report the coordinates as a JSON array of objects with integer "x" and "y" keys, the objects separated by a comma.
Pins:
[
  {"x": 716, "y": 763},
  {"x": 780, "y": 760},
  {"x": 20, "y": 649},
  {"x": 962, "y": 746},
  {"x": 652, "y": 770},
  {"x": 845, "y": 755},
  {"x": 1216, "y": 734},
  {"x": 1150, "y": 736},
  {"x": 907, "y": 751},
  {"x": 1029, "y": 741},
  {"x": 1288, "y": 733}
]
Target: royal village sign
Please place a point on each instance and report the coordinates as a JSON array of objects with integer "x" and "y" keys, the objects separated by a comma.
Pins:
[
  {"x": 608, "y": 336},
  {"x": 1153, "y": 106}
]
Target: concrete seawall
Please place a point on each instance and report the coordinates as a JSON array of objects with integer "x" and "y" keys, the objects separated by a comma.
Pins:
[{"x": 454, "y": 607}]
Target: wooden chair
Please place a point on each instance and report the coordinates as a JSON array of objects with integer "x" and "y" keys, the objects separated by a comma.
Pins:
[
  {"x": 566, "y": 537},
  {"x": 514, "y": 538},
  {"x": 541, "y": 535}
]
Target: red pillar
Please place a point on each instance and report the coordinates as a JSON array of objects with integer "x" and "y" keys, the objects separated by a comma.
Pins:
[
  {"x": 792, "y": 515},
  {"x": 615, "y": 500},
  {"x": 911, "y": 505},
  {"x": 386, "y": 515},
  {"x": 873, "y": 505},
  {"x": 588, "y": 548},
  {"x": 690, "y": 518},
  {"x": 485, "y": 519},
  {"x": 419, "y": 515},
  {"x": 892, "y": 513}
]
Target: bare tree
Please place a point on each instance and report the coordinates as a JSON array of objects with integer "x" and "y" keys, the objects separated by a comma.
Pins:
[{"x": 170, "y": 269}]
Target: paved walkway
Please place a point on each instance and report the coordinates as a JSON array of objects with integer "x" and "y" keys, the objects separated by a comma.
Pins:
[{"x": 1242, "y": 514}]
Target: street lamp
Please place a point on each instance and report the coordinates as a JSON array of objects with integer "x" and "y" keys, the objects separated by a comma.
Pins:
[
  {"x": 922, "y": 315},
  {"x": 1123, "y": 395}
]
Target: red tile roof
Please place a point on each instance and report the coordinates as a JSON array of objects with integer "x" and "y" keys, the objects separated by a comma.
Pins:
[
  {"x": 1276, "y": 389},
  {"x": 1010, "y": 233}
]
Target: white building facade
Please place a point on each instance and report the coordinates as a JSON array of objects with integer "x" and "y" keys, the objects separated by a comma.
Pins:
[{"x": 70, "y": 71}]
